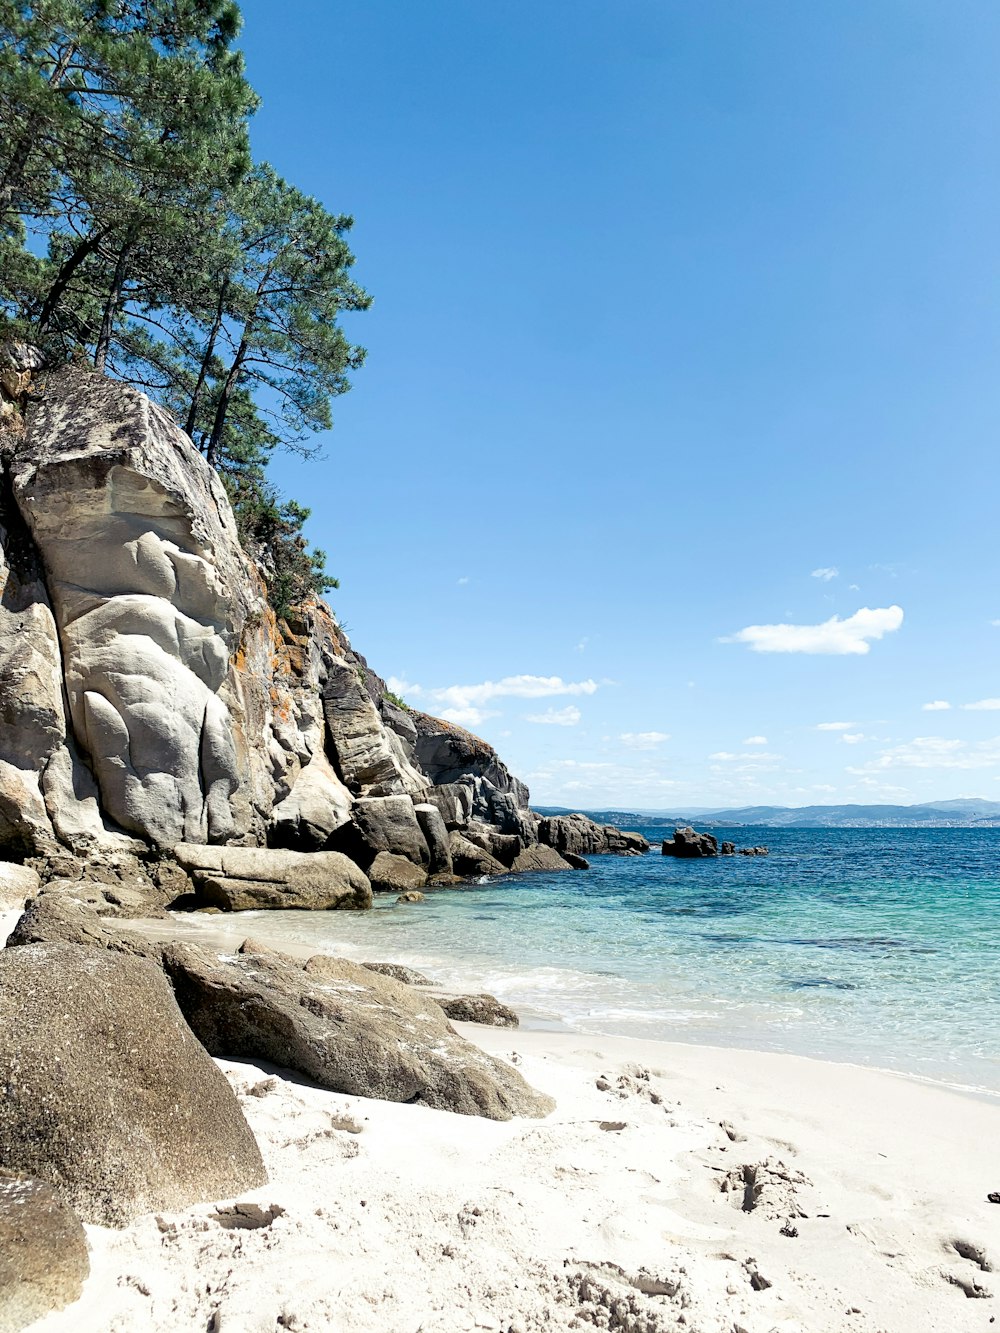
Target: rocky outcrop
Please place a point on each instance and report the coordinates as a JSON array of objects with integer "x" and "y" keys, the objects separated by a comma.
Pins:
[
  {"x": 44, "y": 1260},
  {"x": 581, "y": 836},
  {"x": 540, "y": 858},
  {"x": 345, "y": 1026},
  {"x": 150, "y": 698},
  {"x": 108, "y": 1096},
  {"x": 689, "y": 845}
]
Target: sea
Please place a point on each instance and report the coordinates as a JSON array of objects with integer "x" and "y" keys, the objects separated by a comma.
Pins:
[{"x": 878, "y": 947}]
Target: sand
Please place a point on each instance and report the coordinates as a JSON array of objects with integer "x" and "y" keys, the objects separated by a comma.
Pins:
[{"x": 675, "y": 1187}]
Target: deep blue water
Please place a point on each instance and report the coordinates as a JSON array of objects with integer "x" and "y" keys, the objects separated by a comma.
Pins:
[{"x": 875, "y": 946}]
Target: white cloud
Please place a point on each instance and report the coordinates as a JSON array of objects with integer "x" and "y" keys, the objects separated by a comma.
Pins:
[
  {"x": 463, "y": 580},
  {"x": 935, "y": 752},
  {"x": 513, "y": 687},
  {"x": 467, "y": 717},
  {"x": 826, "y": 574},
  {"x": 643, "y": 740},
  {"x": 755, "y": 740},
  {"x": 834, "y": 636},
  {"x": 582, "y": 645},
  {"x": 983, "y": 706},
  {"x": 995, "y": 622},
  {"x": 852, "y": 737},
  {"x": 834, "y": 726},
  {"x": 402, "y": 687},
  {"x": 556, "y": 717},
  {"x": 936, "y": 706}
]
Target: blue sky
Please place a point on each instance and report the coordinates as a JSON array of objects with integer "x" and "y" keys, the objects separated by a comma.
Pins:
[{"x": 677, "y": 438}]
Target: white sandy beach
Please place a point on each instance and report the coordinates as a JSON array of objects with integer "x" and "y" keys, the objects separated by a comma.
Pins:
[{"x": 625, "y": 1209}]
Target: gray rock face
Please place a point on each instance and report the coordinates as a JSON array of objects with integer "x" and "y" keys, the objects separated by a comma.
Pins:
[
  {"x": 540, "y": 858},
  {"x": 44, "y": 1259},
  {"x": 435, "y": 832},
  {"x": 347, "y": 1027},
  {"x": 119, "y": 1109},
  {"x": 385, "y": 824},
  {"x": 578, "y": 834},
  {"x": 399, "y": 972},
  {"x": 395, "y": 874},
  {"x": 468, "y": 859},
  {"x": 317, "y": 805},
  {"x": 453, "y": 800},
  {"x": 689, "y": 845},
  {"x": 484, "y": 1009},
  {"x": 247, "y": 878},
  {"x": 367, "y": 760},
  {"x": 447, "y": 753}
]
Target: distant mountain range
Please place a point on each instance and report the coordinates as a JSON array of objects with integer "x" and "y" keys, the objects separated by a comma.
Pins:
[{"x": 969, "y": 812}]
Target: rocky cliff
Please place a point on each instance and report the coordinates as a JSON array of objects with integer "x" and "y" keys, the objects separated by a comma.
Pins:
[{"x": 151, "y": 700}]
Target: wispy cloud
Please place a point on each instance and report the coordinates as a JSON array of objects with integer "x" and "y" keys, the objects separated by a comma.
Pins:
[
  {"x": 834, "y": 636},
  {"x": 826, "y": 573},
  {"x": 468, "y": 717},
  {"x": 463, "y": 580},
  {"x": 935, "y": 752},
  {"x": 983, "y": 706},
  {"x": 556, "y": 717},
  {"x": 510, "y": 687},
  {"x": 936, "y": 706},
  {"x": 852, "y": 737},
  {"x": 834, "y": 726},
  {"x": 582, "y": 645},
  {"x": 643, "y": 740},
  {"x": 754, "y": 740}
]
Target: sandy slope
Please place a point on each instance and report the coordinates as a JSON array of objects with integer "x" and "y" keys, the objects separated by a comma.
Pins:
[{"x": 611, "y": 1213}]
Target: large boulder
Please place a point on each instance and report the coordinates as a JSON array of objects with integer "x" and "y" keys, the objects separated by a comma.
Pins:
[
  {"x": 394, "y": 874},
  {"x": 484, "y": 1009},
  {"x": 384, "y": 824},
  {"x": 580, "y": 835},
  {"x": 689, "y": 845},
  {"x": 109, "y": 1097},
  {"x": 540, "y": 858},
  {"x": 317, "y": 805},
  {"x": 435, "y": 832},
  {"x": 453, "y": 800},
  {"x": 370, "y": 759},
  {"x": 472, "y": 861},
  {"x": 249, "y": 878},
  {"x": 43, "y": 1253},
  {"x": 449, "y": 754},
  {"x": 348, "y": 1028}
]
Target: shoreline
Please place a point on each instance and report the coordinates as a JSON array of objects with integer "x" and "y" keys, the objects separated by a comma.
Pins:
[
  {"x": 217, "y": 932},
  {"x": 675, "y": 1188}
]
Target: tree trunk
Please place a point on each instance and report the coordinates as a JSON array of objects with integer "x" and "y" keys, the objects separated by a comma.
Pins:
[
  {"x": 222, "y": 408},
  {"x": 192, "y": 416},
  {"x": 111, "y": 306},
  {"x": 86, "y": 247}
]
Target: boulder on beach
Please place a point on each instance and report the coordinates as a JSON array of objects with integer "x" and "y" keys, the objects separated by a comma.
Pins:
[
  {"x": 44, "y": 1259},
  {"x": 17, "y": 883},
  {"x": 390, "y": 873},
  {"x": 484, "y": 1009},
  {"x": 348, "y": 1028},
  {"x": 109, "y": 1097},
  {"x": 248, "y": 878}
]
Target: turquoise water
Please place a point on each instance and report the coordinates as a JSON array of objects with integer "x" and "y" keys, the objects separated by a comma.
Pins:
[{"x": 873, "y": 946}]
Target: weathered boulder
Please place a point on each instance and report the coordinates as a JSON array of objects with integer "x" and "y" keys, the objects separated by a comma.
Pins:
[
  {"x": 540, "y": 858},
  {"x": 576, "y": 833},
  {"x": 345, "y": 1026},
  {"x": 384, "y": 824},
  {"x": 108, "y": 1095},
  {"x": 689, "y": 845},
  {"x": 484, "y": 1009},
  {"x": 503, "y": 847},
  {"x": 411, "y": 896},
  {"x": 453, "y": 800},
  {"x": 317, "y": 805},
  {"x": 394, "y": 874},
  {"x": 44, "y": 1259},
  {"x": 728, "y": 849},
  {"x": 367, "y": 760},
  {"x": 447, "y": 753},
  {"x": 435, "y": 832},
  {"x": 247, "y": 878},
  {"x": 473, "y": 861},
  {"x": 577, "y": 862},
  {"x": 399, "y": 972},
  {"x": 16, "y": 884}
]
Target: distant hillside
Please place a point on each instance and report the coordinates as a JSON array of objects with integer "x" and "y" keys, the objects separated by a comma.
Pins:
[{"x": 969, "y": 812}]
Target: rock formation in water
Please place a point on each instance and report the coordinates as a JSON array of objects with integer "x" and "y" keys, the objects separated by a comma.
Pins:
[{"x": 158, "y": 719}]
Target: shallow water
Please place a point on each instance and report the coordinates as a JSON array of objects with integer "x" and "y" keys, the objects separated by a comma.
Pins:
[{"x": 874, "y": 946}]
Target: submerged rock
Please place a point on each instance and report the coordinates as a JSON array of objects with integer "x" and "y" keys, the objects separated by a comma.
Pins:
[
  {"x": 109, "y": 1097},
  {"x": 349, "y": 1028}
]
